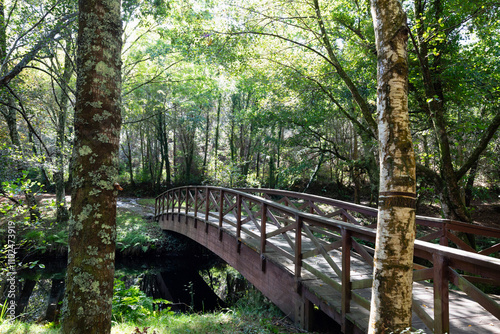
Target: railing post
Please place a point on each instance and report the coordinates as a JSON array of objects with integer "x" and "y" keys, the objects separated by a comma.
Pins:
[
  {"x": 298, "y": 249},
  {"x": 195, "y": 207},
  {"x": 346, "y": 278},
  {"x": 161, "y": 205},
  {"x": 187, "y": 203},
  {"x": 170, "y": 202},
  {"x": 238, "y": 222},
  {"x": 207, "y": 208},
  {"x": 179, "y": 206},
  {"x": 157, "y": 199},
  {"x": 221, "y": 212},
  {"x": 263, "y": 222},
  {"x": 444, "y": 238},
  {"x": 441, "y": 295}
]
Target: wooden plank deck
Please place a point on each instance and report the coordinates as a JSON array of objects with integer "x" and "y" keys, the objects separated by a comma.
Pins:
[{"x": 466, "y": 316}]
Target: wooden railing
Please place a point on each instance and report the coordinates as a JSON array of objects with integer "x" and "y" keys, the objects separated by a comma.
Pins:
[
  {"x": 430, "y": 229},
  {"x": 299, "y": 227}
]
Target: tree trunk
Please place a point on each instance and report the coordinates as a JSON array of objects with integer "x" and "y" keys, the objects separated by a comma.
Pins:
[
  {"x": 90, "y": 273},
  {"x": 205, "y": 151},
  {"x": 62, "y": 211},
  {"x": 8, "y": 112},
  {"x": 393, "y": 261},
  {"x": 128, "y": 155}
]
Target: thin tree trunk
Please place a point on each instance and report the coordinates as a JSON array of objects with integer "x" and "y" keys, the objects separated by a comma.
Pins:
[
  {"x": 390, "y": 309},
  {"x": 216, "y": 144},
  {"x": 128, "y": 154},
  {"x": 62, "y": 211},
  {"x": 205, "y": 154}
]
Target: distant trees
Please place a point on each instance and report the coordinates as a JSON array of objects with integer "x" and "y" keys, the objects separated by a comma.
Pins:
[{"x": 265, "y": 93}]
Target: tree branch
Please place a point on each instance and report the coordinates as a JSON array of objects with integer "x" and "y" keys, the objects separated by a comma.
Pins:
[
  {"x": 4, "y": 81},
  {"x": 487, "y": 136}
]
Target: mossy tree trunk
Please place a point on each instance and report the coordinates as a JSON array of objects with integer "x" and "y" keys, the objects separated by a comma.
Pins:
[
  {"x": 89, "y": 280},
  {"x": 393, "y": 261}
]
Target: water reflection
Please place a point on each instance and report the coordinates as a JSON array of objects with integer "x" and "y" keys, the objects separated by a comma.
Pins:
[{"x": 40, "y": 291}]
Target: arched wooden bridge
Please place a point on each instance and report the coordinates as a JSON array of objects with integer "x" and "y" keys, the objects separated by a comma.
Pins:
[{"x": 305, "y": 252}]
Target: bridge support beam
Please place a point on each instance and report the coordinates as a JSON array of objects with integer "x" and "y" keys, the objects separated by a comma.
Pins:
[{"x": 304, "y": 313}]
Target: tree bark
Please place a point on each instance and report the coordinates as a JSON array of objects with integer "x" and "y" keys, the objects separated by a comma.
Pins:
[
  {"x": 90, "y": 273},
  {"x": 393, "y": 261}
]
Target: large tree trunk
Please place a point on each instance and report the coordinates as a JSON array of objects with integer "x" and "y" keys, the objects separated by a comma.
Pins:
[
  {"x": 393, "y": 261},
  {"x": 89, "y": 280}
]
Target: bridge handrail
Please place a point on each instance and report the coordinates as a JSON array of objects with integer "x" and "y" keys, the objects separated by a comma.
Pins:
[
  {"x": 443, "y": 225},
  {"x": 447, "y": 262}
]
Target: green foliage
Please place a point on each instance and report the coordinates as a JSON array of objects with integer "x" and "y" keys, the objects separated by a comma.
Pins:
[
  {"x": 135, "y": 234},
  {"x": 130, "y": 305},
  {"x": 3, "y": 310}
]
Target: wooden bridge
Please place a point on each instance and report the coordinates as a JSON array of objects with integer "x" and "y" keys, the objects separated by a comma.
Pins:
[{"x": 307, "y": 252}]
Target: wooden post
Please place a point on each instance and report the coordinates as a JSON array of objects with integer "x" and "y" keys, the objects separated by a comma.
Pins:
[
  {"x": 441, "y": 297},
  {"x": 346, "y": 278},
  {"x": 221, "y": 212},
  {"x": 187, "y": 203},
  {"x": 238, "y": 221},
  {"x": 195, "y": 207},
  {"x": 444, "y": 238},
  {"x": 298, "y": 249},
  {"x": 304, "y": 311},
  {"x": 156, "y": 208},
  {"x": 179, "y": 206},
  {"x": 167, "y": 204},
  {"x": 263, "y": 222},
  {"x": 207, "y": 208}
]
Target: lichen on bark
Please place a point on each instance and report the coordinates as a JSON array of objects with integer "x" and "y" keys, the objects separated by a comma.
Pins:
[
  {"x": 97, "y": 121},
  {"x": 393, "y": 261}
]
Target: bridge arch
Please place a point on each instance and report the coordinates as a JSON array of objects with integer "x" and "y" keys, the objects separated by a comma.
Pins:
[{"x": 302, "y": 250}]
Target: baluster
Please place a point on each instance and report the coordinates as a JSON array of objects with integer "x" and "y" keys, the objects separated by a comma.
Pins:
[
  {"x": 195, "y": 207},
  {"x": 238, "y": 221},
  {"x": 298, "y": 249},
  {"x": 441, "y": 297},
  {"x": 172, "y": 201},
  {"x": 346, "y": 278},
  {"x": 263, "y": 237},
  {"x": 207, "y": 208},
  {"x": 444, "y": 238},
  {"x": 156, "y": 207},
  {"x": 188, "y": 191},
  {"x": 221, "y": 212},
  {"x": 179, "y": 206},
  {"x": 161, "y": 204}
]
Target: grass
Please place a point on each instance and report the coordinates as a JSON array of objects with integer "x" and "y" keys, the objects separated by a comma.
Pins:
[
  {"x": 146, "y": 201},
  {"x": 133, "y": 233},
  {"x": 244, "y": 317}
]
